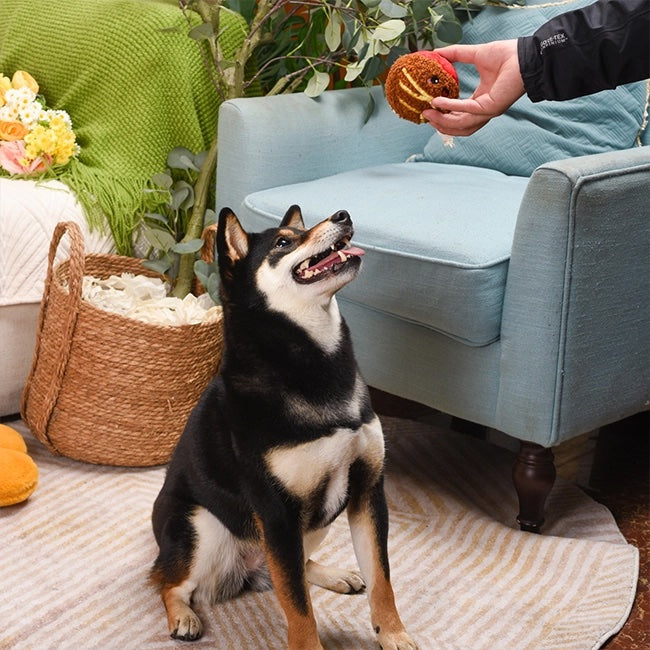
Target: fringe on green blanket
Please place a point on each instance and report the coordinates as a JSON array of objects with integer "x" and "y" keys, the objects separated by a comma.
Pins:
[
  {"x": 101, "y": 194},
  {"x": 133, "y": 84}
]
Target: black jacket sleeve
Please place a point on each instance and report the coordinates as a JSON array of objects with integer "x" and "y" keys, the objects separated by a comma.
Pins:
[{"x": 601, "y": 46}]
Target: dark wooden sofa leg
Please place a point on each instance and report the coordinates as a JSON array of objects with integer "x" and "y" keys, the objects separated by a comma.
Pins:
[{"x": 533, "y": 475}]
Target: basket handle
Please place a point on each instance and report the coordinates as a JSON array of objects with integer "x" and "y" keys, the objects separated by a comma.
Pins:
[
  {"x": 77, "y": 260},
  {"x": 66, "y": 327}
]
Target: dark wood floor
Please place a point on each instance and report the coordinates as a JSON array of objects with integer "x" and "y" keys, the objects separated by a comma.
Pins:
[{"x": 613, "y": 467}]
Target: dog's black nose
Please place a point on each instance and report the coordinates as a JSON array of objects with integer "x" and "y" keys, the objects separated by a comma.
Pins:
[{"x": 341, "y": 216}]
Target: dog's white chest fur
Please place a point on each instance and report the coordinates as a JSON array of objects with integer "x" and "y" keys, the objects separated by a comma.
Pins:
[{"x": 302, "y": 469}]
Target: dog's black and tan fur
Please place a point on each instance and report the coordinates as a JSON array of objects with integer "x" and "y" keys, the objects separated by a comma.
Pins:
[{"x": 281, "y": 442}]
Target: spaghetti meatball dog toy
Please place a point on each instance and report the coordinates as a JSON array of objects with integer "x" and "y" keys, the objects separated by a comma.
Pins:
[{"x": 415, "y": 79}]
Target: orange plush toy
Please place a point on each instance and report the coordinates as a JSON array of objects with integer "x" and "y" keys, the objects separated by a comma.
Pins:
[
  {"x": 18, "y": 472},
  {"x": 415, "y": 79}
]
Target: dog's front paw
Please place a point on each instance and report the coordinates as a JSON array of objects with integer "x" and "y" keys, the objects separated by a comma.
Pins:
[
  {"x": 345, "y": 582},
  {"x": 395, "y": 640},
  {"x": 186, "y": 626},
  {"x": 334, "y": 579}
]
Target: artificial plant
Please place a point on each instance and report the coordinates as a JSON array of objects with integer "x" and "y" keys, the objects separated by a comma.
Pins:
[{"x": 290, "y": 46}]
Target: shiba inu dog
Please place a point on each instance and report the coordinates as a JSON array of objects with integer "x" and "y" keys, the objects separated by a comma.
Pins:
[{"x": 282, "y": 441}]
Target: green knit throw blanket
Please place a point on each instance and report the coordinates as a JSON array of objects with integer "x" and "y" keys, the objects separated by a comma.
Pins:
[{"x": 134, "y": 89}]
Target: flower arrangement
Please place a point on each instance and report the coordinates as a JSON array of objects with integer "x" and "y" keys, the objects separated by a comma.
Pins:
[{"x": 33, "y": 138}]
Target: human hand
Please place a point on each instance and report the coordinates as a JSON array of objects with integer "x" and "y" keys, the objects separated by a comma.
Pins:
[{"x": 499, "y": 87}]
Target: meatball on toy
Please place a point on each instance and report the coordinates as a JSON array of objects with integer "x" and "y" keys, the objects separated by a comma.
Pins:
[{"x": 415, "y": 79}]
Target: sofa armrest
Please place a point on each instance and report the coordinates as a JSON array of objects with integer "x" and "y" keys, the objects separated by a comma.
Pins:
[
  {"x": 575, "y": 332},
  {"x": 269, "y": 141}
]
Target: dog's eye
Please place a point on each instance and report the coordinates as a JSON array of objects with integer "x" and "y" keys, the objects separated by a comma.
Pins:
[
  {"x": 435, "y": 80},
  {"x": 281, "y": 242}
]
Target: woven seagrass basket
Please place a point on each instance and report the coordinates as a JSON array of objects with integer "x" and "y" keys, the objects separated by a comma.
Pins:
[{"x": 104, "y": 388}]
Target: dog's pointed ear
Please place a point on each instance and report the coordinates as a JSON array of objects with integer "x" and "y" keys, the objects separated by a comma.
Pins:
[
  {"x": 232, "y": 240},
  {"x": 293, "y": 218}
]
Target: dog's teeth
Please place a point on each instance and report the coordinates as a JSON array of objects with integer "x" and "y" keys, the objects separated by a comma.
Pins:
[
  {"x": 304, "y": 265},
  {"x": 343, "y": 256}
]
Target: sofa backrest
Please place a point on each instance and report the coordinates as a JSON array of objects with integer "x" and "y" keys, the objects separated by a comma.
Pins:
[{"x": 528, "y": 134}]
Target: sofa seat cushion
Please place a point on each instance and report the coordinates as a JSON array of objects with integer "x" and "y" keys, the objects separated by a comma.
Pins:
[{"x": 436, "y": 251}]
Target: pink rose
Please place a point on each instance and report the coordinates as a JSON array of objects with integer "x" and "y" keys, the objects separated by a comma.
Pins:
[{"x": 12, "y": 159}]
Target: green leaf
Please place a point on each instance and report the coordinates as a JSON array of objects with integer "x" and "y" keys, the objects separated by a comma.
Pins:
[
  {"x": 182, "y": 196},
  {"x": 190, "y": 246},
  {"x": 420, "y": 8},
  {"x": 209, "y": 217},
  {"x": 246, "y": 8},
  {"x": 154, "y": 216},
  {"x": 199, "y": 159},
  {"x": 374, "y": 67},
  {"x": 202, "y": 271},
  {"x": 201, "y": 32},
  {"x": 354, "y": 69},
  {"x": 449, "y": 31},
  {"x": 318, "y": 82},
  {"x": 370, "y": 108},
  {"x": 392, "y": 9},
  {"x": 181, "y": 158},
  {"x": 389, "y": 30},
  {"x": 333, "y": 31},
  {"x": 213, "y": 287},
  {"x": 159, "y": 239},
  {"x": 351, "y": 33},
  {"x": 159, "y": 266},
  {"x": 162, "y": 180}
]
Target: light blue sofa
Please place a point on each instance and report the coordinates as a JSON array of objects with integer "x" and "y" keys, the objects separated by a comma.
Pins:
[{"x": 498, "y": 286}]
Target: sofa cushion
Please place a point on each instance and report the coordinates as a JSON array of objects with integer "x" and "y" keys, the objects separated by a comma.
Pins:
[
  {"x": 528, "y": 134},
  {"x": 436, "y": 251}
]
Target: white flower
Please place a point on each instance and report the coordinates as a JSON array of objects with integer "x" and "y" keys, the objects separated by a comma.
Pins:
[
  {"x": 21, "y": 105},
  {"x": 9, "y": 113},
  {"x": 20, "y": 97},
  {"x": 31, "y": 114}
]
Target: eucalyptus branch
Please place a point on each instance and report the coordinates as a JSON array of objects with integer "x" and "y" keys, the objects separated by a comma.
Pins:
[
  {"x": 194, "y": 229},
  {"x": 294, "y": 78},
  {"x": 289, "y": 82},
  {"x": 209, "y": 13},
  {"x": 209, "y": 62},
  {"x": 264, "y": 9}
]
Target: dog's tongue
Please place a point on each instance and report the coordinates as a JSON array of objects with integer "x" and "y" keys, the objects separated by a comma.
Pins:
[{"x": 338, "y": 257}]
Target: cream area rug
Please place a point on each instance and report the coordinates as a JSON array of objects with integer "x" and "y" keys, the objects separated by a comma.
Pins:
[{"x": 74, "y": 560}]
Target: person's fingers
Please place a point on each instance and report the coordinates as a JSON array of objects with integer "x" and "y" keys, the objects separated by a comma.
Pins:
[
  {"x": 460, "y": 124},
  {"x": 458, "y": 53},
  {"x": 461, "y": 105}
]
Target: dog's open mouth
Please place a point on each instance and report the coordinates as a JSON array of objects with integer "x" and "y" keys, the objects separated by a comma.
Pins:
[{"x": 328, "y": 262}]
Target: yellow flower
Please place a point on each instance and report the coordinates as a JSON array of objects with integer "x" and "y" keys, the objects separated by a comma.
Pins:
[
  {"x": 5, "y": 85},
  {"x": 10, "y": 131},
  {"x": 22, "y": 79},
  {"x": 56, "y": 140}
]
